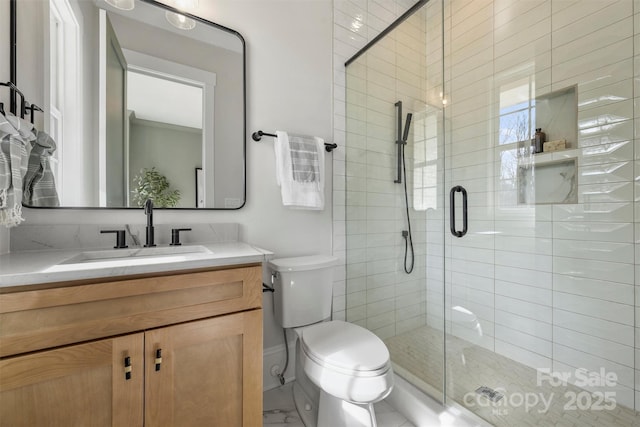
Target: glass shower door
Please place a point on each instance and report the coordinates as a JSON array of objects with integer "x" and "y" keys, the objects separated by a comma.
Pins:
[{"x": 539, "y": 283}]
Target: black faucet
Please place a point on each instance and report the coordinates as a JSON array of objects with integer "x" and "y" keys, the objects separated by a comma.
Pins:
[{"x": 148, "y": 210}]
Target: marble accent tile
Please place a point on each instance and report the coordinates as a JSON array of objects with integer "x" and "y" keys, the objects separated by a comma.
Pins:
[
  {"x": 87, "y": 236},
  {"x": 554, "y": 182}
]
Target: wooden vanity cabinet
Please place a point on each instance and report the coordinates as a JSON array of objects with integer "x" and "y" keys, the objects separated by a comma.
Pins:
[
  {"x": 78, "y": 385},
  {"x": 191, "y": 354}
]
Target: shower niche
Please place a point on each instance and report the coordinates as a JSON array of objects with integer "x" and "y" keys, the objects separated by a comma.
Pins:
[
  {"x": 552, "y": 177},
  {"x": 557, "y": 114}
]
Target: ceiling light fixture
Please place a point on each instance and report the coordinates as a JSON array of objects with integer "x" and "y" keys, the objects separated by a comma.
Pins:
[{"x": 122, "y": 4}]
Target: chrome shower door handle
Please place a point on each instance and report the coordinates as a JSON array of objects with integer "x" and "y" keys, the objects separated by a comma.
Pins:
[{"x": 452, "y": 211}]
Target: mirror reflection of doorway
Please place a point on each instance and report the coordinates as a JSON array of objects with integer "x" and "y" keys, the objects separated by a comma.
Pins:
[
  {"x": 165, "y": 119},
  {"x": 115, "y": 118}
]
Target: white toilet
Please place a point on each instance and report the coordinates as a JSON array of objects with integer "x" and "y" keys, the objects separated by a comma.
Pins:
[{"x": 342, "y": 369}]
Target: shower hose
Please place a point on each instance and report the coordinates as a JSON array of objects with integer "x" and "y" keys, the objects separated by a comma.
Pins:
[{"x": 408, "y": 239}]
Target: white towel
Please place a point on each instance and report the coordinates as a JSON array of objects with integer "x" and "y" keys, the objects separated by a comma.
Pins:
[{"x": 300, "y": 170}]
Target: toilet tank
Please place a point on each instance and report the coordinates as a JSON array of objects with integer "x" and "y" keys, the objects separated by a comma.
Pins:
[{"x": 303, "y": 289}]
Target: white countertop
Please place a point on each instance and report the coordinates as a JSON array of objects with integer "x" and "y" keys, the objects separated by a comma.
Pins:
[{"x": 37, "y": 267}]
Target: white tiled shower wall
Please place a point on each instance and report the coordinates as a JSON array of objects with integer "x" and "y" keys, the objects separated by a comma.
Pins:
[
  {"x": 382, "y": 297},
  {"x": 554, "y": 286},
  {"x": 355, "y": 24}
]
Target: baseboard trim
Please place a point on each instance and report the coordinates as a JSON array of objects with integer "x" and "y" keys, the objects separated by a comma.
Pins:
[{"x": 276, "y": 356}]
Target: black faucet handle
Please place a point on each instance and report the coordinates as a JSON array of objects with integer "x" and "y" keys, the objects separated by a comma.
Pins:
[
  {"x": 175, "y": 236},
  {"x": 121, "y": 242}
]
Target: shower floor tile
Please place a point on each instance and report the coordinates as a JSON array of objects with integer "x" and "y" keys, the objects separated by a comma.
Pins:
[
  {"x": 418, "y": 356},
  {"x": 280, "y": 411}
]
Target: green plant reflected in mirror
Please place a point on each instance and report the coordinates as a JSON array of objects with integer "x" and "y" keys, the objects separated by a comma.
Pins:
[{"x": 151, "y": 184}]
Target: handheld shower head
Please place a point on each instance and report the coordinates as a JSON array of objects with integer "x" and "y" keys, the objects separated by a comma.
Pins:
[{"x": 407, "y": 124}]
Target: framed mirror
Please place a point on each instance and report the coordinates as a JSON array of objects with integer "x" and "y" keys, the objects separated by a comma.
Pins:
[{"x": 137, "y": 100}]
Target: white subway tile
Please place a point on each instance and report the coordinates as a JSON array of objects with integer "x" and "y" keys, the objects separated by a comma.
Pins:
[
  {"x": 590, "y": 231},
  {"x": 613, "y": 331},
  {"x": 590, "y": 212},
  {"x": 593, "y": 288},
  {"x": 523, "y": 340},
  {"x": 600, "y": 251},
  {"x": 606, "y": 349},
  {"x": 603, "y": 270},
  {"x": 601, "y": 309},
  {"x": 531, "y": 294},
  {"x": 593, "y": 61},
  {"x": 527, "y": 261},
  {"x": 524, "y": 245},
  {"x": 485, "y": 284},
  {"x": 378, "y": 294},
  {"x": 463, "y": 293},
  {"x": 571, "y": 44},
  {"x": 528, "y": 326},
  {"x": 605, "y": 173},
  {"x": 605, "y": 95},
  {"x": 579, "y": 359},
  {"x": 523, "y": 308},
  {"x": 521, "y": 355}
]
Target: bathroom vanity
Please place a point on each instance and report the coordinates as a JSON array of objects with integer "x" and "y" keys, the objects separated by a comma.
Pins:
[{"x": 181, "y": 346}]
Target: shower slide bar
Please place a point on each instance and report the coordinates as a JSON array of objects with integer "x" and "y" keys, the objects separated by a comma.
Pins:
[
  {"x": 257, "y": 136},
  {"x": 401, "y": 140}
]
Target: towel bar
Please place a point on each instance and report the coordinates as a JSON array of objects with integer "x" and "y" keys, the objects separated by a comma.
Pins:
[{"x": 257, "y": 136}]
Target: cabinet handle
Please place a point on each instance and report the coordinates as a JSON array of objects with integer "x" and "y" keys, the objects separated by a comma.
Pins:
[
  {"x": 158, "y": 359},
  {"x": 127, "y": 368}
]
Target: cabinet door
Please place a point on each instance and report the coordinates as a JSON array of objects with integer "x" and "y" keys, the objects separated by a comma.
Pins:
[
  {"x": 210, "y": 373},
  {"x": 82, "y": 385}
]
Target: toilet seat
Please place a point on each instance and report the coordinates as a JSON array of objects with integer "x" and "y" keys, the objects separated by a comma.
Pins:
[
  {"x": 346, "y": 361},
  {"x": 346, "y": 348}
]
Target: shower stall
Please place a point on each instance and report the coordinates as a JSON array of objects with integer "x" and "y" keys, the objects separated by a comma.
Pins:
[{"x": 522, "y": 174}]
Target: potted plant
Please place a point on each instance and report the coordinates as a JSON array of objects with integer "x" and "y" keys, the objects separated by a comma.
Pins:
[{"x": 151, "y": 184}]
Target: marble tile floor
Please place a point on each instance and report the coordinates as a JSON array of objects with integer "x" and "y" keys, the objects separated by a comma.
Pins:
[{"x": 280, "y": 411}]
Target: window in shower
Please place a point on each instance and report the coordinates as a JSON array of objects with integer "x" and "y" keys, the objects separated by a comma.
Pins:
[{"x": 516, "y": 122}]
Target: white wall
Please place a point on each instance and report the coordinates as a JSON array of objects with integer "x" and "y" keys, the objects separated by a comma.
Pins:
[{"x": 289, "y": 88}]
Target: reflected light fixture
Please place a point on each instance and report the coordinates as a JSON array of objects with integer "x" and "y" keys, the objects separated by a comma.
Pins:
[
  {"x": 122, "y": 4},
  {"x": 181, "y": 21}
]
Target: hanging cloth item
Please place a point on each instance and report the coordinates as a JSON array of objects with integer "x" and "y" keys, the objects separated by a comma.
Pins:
[
  {"x": 300, "y": 170},
  {"x": 15, "y": 134},
  {"x": 39, "y": 185}
]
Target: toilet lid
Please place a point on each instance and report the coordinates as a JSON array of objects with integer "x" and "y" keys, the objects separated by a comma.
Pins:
[{"x": 345, "y": 346}]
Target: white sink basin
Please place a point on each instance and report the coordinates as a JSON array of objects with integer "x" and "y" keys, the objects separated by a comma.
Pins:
[{"x": 137, "y": 256}]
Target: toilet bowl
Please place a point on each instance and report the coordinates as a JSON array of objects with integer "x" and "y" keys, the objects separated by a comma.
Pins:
[
  {"x": 342, "y": 369},
  {"x": 346, "y": 361}
]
